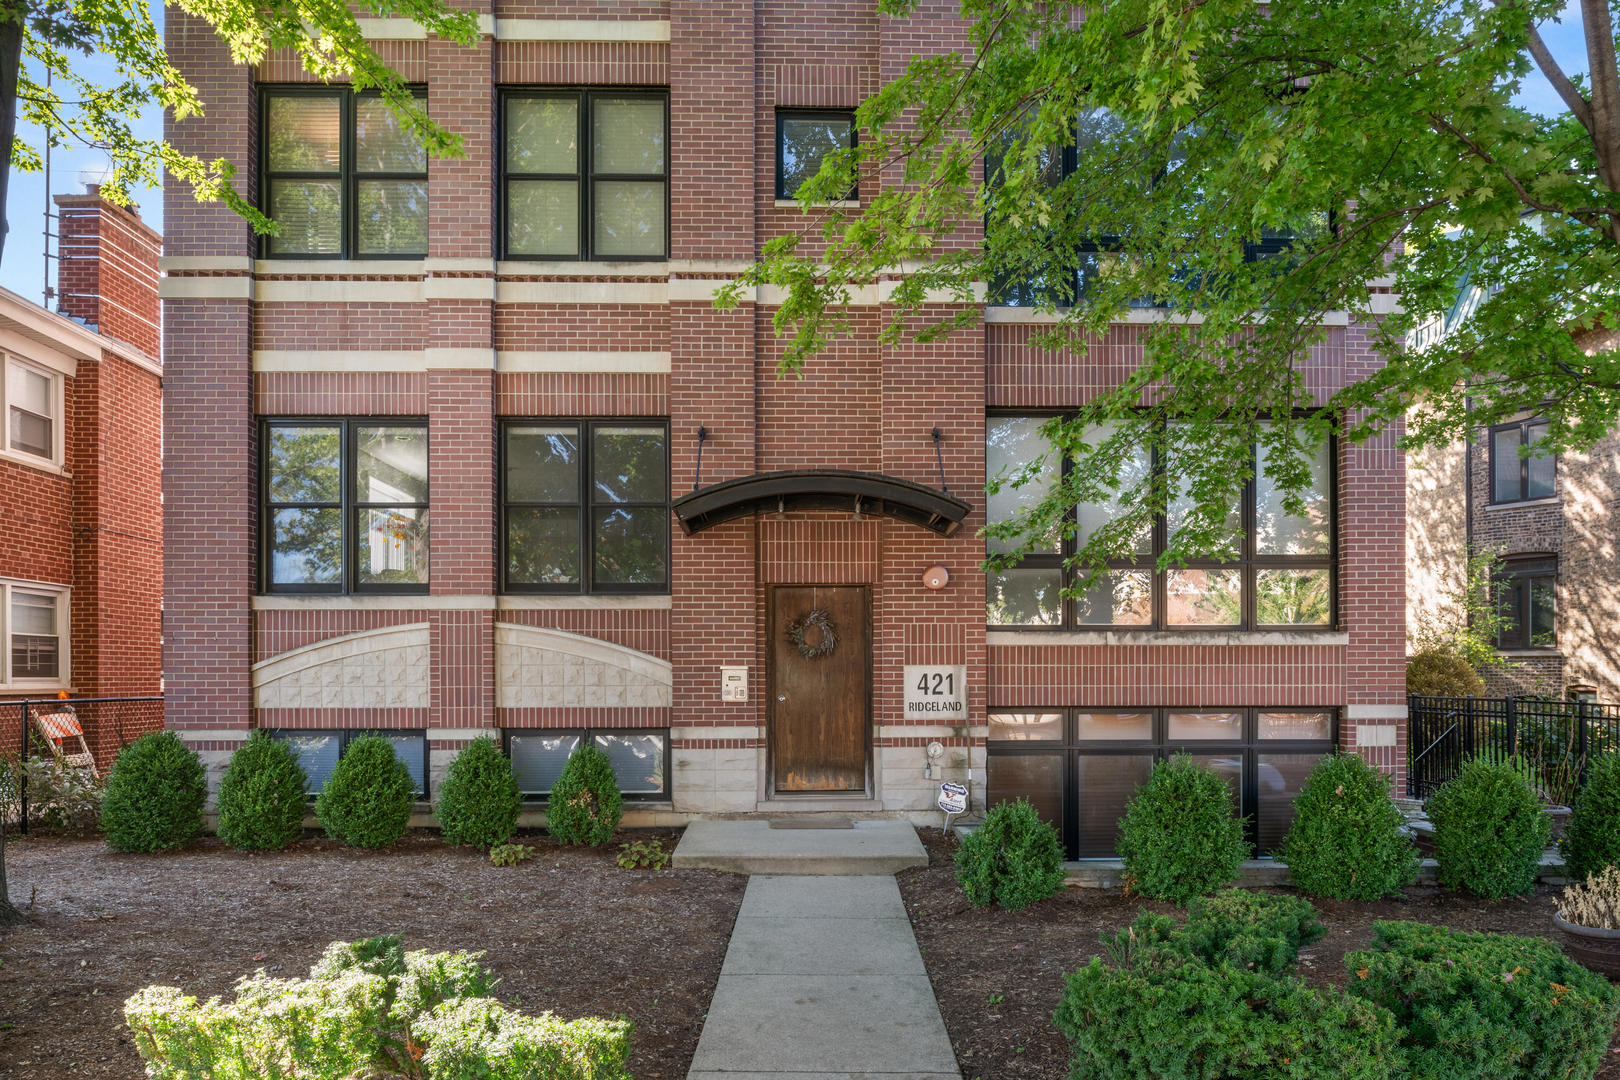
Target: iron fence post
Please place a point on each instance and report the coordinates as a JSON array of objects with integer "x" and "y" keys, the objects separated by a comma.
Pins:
[
  {"x": 22, "y": 768},
  {"x": 1511, "y": 715},
  {"x": 1581, "y": 721}
]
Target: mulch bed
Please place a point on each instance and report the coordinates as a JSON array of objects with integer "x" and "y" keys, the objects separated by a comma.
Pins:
[
  {"x": 567, "y": 931},
  {"x": 999, "y": 974}
]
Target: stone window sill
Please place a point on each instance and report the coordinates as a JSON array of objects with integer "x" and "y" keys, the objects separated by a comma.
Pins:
[{"x": 1524, "y": 504}]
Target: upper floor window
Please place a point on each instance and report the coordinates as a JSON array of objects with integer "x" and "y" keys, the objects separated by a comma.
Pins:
[
  {"x": 584, "y": 174},
  {"x": 585, "y": 506},
  {"x": 1526, "y": 599},
  {"x": 1275, "y": 571},
  {"x": 33, "y": 411},
  {"x": 345, "y": 506},
  {"x": 34, "y": 631},
  {"x": 1515, "y": 478},
  {"x": 342, "y": 176},
  {"x": 805, "y": 139}
]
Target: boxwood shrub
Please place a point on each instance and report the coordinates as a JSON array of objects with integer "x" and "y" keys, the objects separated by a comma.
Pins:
[
  {"x": 1179, "y": 837},
  {"x": 263, "y": 796},
  {"x": 479, "y": 799},
  {"x": 369, "y": 1008},
  {"x": 1592, "y": 838},
  {"x": 584, "y": 805},
  {"x": 1478, "y": 1006},
  {"x": 367, "y": 800},
  {"x": 1012, "y": 859},
  {"x": 1489, "y": 830},
  {"x": 155, "y": 795},
  {"x": 1346, "y": 841}
]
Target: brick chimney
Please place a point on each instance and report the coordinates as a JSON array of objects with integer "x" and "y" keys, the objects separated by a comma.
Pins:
[{"x": 108, "y": 271}]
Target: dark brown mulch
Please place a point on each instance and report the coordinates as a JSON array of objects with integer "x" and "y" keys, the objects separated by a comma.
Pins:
[
  {"x": 566, "y": 931},
  {"x": 999, "y": 974}
]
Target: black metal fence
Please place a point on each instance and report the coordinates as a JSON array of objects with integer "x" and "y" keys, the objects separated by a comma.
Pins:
[
  {"x": 44, "y": 727},
  {"x": 1552, "y": 741}
]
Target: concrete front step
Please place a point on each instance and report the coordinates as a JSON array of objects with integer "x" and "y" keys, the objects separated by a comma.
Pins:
[{"x": 845, "y": 846}]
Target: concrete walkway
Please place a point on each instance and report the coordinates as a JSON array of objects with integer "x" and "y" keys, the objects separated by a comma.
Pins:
[{"x": 823, "y": 981}]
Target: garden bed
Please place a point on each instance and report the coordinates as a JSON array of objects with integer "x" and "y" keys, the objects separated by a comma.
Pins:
[
  {"x": 566, "y": 931},
  {"x": 999, "y": 974}
]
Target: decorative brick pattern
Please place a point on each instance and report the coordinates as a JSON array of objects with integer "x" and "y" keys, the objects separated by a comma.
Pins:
[
  {"x": 1145, "y": 676},
  {"x": 340, "y": 393},
  {"x": 568, "y": 393},
  {"x": 581, "y": 63}
]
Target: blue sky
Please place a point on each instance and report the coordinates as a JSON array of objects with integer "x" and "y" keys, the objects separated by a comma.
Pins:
[{"x": 22, "y": 270}]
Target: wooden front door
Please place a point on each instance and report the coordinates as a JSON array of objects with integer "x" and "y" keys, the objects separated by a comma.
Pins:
[{"x": 820, "y": 704}]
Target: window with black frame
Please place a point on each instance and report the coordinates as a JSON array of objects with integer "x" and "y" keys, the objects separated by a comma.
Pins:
[
  {"x": 345, "y": 505},
  {"x": 342, "y": 176},
  {"x": 1079, "y": 767},
  {"x": 1516, "y": 478},
  {"x": 1527, "y": 601},
  {"x": 585, "y": 506},
  {"x": 1277, "y": 570},
  {"x": 806, "y": 138},
  {"x": 640, "y": 759},
  {"x": 585, "y": 174},
  {"x": 318, "y": 752}
]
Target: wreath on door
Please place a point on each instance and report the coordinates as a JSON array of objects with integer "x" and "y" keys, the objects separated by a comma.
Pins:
[{"x": 823, "y": 645}]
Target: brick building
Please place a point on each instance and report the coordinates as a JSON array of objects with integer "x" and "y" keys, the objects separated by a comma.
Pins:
[
  {"x": 1554, "y": 522},
  {"x": 81, "y": 550},
  {"x": 757, "y": 594}
]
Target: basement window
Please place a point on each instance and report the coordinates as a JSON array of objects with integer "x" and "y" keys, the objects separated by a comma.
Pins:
[
  {"x": 318, "y": 752},
  {"x": 640, "y": 759}
]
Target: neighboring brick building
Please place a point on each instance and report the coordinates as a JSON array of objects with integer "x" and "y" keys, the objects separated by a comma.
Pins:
[
  {"x": 1555, "y": 524},
  {"x": 520, "y": 346},
  {"x": 81, "y": 550}
]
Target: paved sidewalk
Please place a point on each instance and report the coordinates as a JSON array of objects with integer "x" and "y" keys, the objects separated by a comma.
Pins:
[{"x": 823, "y": 981}]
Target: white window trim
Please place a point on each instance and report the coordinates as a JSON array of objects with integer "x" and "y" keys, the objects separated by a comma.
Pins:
[
  {"x": 64, "y": 606},
  {"x": 54, "y": 463}
]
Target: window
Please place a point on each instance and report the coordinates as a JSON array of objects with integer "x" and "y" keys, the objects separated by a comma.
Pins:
[
  {"x": 585, "y": 174},
  {"x": 33, "y": 411},
  {"x": 1515, "y": 478},
  {"x": 345, "y": 505},
  {"x": 318, "y": 752},
  {"x": 342, "y": 177},
  {"x": 34, "y": 631},
  {"x": 803, "y": 141},
  {"x": 1526, "y": 598},
  {"x": 1079, "y": 767},
  {"x": 1277, "y": 571},
  {"x": 640, "y": 759},
  {"x": 585, "y": 506}
]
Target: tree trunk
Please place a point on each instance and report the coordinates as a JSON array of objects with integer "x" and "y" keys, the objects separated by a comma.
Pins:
[
  {"x": 11, "y": 36},
  {"x": 9, "y": 916}
]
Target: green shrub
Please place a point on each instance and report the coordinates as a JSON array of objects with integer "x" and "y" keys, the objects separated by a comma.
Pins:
[
  {"x": 1169, "y": 1016},
  {"x": 1012, "y": 859},
  {"x": 584, "y": 804},
  {"x": 1439, "y": 672},
  {"x": 155, "y": 795},
  {"x": 643, "y": 855},
  {"x": 1592, "y": 838},
  {"x": 263, "y": 796},
  {"x": 1486, "y": 1006},
  {"x": 369, "y": 1008},
  {"x": 1257, "y": 931},
  {"x": 1347, "y": 840},
  {"x": 63, "y": 798},
  {"x": 479, "y": 800},
  {"x": 509, "y": 854},
  {"x": 1489, "y": 830},
  {"x": 367, "y": 799},
  {"x": 1179, "y": 837}
]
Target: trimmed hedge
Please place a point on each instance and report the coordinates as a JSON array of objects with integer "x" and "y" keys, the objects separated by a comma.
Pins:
[
  {"x": 1179, "y": 837},
  {"x": 1592, "y": 839},
  {"x": 1012, "y": 859},
  {"x": 1346, "y": 841},
  {"x": 1441, "y": 673},
  {"x": 370, "y": 1009},
  {"x": 155, "y": 795},
  {"x": 368, "y": 798},
  {"x": 263, "y": 796},
  {"x": 1489, "y": 830},
  {"x": 584, "y": 805},
  {"x": 479, "y": 799},
  {"x": 1486, "y": 1006}
]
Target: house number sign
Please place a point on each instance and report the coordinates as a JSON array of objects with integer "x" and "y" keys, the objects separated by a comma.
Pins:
[{"x": 936, "y": 692}]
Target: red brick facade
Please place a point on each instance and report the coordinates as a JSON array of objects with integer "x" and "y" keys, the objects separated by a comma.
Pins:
[
  {"x": 467, "y": 339},
  {"x": 83, "y": 523}
]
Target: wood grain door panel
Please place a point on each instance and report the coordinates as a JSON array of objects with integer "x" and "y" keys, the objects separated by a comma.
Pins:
[{"x": 820, "y": 707}]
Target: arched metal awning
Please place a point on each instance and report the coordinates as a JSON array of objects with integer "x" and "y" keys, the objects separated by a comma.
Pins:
[{"x": 821, "y": 489}]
